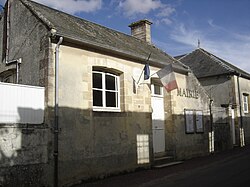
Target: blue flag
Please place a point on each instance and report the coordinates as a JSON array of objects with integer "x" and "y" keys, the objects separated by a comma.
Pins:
[{"x": 146, "y": 72}]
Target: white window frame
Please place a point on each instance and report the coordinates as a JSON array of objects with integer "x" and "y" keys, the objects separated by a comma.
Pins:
[
  {"x": 245, "y": 103},
  {"x": 153, "y": 90},
  {"x": 103, "y": 90}
]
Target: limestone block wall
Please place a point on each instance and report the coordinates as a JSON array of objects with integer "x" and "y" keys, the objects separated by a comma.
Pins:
[
  {"x": 189, "y": 96},
  {"x": 244, "y": 89},
  {"x": 98, "y": 143}
]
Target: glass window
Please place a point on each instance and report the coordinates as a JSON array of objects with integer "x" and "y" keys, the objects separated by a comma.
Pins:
[
  {"x": 245, "y": 103},
  {"x": 97, "y": 80},
  {"x": 157, "y": 90},
  {"x": 105, "y": 91}
]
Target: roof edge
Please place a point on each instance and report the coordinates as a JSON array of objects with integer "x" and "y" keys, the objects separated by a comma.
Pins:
[
  {"x": 153, "y": 62},
  {"x": 39, "y": 15},
  {"x": 234, "y": 69}
]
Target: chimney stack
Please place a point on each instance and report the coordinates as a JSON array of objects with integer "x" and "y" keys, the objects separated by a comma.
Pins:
[{"x": 141, "y": 30}]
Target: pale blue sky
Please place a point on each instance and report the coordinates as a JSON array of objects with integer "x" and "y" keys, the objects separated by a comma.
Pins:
[{"x": 223, "y": 26}]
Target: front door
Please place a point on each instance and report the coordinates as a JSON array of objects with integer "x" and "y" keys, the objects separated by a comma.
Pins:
[{"x": 158, "y": 128}]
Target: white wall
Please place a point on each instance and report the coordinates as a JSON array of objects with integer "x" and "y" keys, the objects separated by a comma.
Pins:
[{"x": 21, "y": 104}]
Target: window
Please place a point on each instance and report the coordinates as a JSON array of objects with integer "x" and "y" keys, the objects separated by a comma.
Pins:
[
  {"x": 106, "y": 95},
  {"x": 245, "y": 103},
  {"x": 156, "y": 90}
]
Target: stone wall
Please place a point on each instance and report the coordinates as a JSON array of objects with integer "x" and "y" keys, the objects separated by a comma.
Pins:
[
  {"x": 1, "y": 36},
  {"x": 28, "y": 39},
  {"x": 95, "y": 144},
  {"x": 25, "y": 153},
  {"x": 189, "y": 96},
  {"x": 244, "y": 89}
]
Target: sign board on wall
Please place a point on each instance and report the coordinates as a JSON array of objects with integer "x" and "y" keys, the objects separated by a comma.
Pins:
[
  {"x": 199, "y": 121},
  {"x": 193, "y": 121},
  {"x": 189, "y": 121},
  {"x": 189, "y": 93}
]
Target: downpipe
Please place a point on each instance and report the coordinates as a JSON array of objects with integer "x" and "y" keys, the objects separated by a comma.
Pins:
[{"x": 56, "y": 112}]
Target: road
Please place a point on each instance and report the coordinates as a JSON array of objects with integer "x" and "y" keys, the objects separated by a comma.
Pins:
[{"x": 230, "y": 169}]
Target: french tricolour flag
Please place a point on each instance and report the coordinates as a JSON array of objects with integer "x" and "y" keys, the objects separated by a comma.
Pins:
[{"x": 167, "y": 78}]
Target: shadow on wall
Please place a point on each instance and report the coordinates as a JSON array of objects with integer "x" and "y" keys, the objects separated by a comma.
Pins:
[
  {"x": 223, "y": 132},
  {"x": 246, "y": 127},
  {"x": 90, "y": 144},
  {"x": 23, "y": 145}
]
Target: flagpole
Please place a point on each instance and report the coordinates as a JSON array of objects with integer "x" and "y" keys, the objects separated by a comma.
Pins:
[
  {"x": 140, "y": 77},
  {"x": 143, "y": 69}
]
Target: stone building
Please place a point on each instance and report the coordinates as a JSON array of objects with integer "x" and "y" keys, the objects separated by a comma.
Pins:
[
  {"x": 101, "y": 117},
  {"x": 229, "y": 88}
]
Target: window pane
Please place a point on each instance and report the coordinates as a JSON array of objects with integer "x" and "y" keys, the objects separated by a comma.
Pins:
[
  {"x": 110, "y": 82},
  {"x": 111, "y": 99},
  {"x": 157, "y": 90},
  {"x": 97, "y": 80},
  {"x": 245, "y": 103},
  {"x": 245, "y": 107},
  {"x": 97, "y": 98}
]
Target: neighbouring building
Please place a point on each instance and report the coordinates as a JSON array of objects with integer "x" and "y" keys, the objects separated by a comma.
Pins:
[
  {"x": 229, "y": 88},
  {"x": 101, "y": 117}
]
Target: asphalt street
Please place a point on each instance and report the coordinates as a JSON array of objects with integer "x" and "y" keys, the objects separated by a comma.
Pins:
[{"x": 230, "y": 168}]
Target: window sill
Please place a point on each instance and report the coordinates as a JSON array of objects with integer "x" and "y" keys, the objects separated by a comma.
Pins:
[{"x": 100, "y": 109}]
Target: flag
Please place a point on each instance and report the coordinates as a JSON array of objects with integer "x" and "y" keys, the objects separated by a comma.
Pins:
[
  {"x": 167, "y": 78},
  {"x": 146, "y": 72}
]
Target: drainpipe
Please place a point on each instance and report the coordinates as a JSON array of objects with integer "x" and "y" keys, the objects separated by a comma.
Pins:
[
  {"x": 7, "y": 61},
  {"x": 19, "y": 61},
  {"x": 7, "y": 32},
  {"x": 211, "y": 127},
  {"x": 241, "y": 118},
  {"x": 56, "y": 113}
]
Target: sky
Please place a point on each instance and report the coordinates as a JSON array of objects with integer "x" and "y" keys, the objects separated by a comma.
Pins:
[{"x": 222, "y": 26}]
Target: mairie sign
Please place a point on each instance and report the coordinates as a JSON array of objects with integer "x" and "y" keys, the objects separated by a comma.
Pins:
[{"x": 183, "y": 92}]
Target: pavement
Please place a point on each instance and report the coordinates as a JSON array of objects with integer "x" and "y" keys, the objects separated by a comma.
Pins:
[{"x": 139, "y": 178}]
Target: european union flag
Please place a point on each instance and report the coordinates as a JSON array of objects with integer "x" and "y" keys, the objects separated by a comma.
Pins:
[{"x": 146, "y": 72}]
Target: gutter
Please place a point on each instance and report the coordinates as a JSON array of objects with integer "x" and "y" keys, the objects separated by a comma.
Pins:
[
  {"x": 106, "y": 48},
  {"x": 56, "y": 112}
]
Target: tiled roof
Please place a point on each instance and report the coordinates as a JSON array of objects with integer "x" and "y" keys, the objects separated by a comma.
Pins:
[
  {"x": 98, "y": 36},
  {"x": 205, "y": 64}
]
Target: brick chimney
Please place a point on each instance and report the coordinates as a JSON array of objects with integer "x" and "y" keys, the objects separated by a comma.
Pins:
[{"x": 141, "y": 30}]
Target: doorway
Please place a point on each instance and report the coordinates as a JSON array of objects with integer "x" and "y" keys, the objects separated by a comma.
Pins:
[{"x": 158, "y": 118}]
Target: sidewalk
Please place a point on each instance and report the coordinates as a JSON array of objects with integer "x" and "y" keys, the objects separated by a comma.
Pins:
[{"x": 139, "y": 177}]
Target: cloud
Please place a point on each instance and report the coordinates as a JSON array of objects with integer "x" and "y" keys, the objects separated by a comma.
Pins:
[
  {"x": 132, "y": 7},
  {"x": 186, "y": 36},
  {"x": 73, "y": 6},
  {"x": 235, "y": 51},
  {"x": 167, "y": 21},
  {"x": 2, "y": 2},
  {"x": 166, "y": 11}
]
